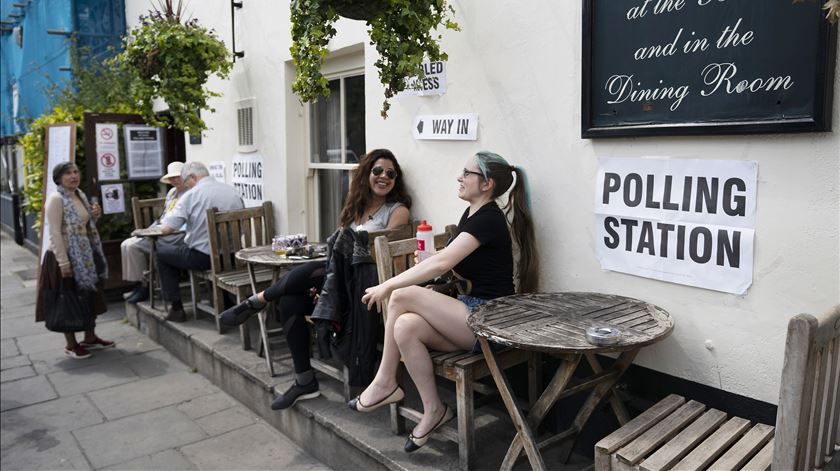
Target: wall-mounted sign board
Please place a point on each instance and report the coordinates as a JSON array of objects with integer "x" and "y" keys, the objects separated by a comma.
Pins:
[
  {"x": 670, "y": 67},
  {"x": 60, "y": 143},
  {"x": 451, "y": 127}
]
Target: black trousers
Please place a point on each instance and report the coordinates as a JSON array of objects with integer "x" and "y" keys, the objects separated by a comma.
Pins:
[
  {"x": 295, "y": 300},
  {"x": 171, "y": 260}
]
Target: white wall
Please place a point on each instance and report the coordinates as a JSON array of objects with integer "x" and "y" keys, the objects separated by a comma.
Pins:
[{"x": 517, "y": 65}]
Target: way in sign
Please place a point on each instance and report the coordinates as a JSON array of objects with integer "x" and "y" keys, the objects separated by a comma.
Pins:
[{"x": 451, "y": 127}]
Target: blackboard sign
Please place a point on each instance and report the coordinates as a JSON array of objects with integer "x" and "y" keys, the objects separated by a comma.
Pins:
[{"x": 670, "y": 67}]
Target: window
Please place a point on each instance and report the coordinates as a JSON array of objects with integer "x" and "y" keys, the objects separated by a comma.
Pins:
[{"x": 336, "y": 141}]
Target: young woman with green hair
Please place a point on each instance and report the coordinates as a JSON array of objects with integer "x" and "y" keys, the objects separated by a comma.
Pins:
[{"x": 420, "y": 319}]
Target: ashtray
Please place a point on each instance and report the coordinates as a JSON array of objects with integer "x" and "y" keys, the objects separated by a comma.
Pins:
[{"x": 602, "y": 335}]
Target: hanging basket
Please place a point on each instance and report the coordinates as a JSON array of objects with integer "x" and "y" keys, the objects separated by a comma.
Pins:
[{"x": 364, "y": 10}]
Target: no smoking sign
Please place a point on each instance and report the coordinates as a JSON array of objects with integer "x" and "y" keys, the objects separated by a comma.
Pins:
[
  {"x": 108, "y": 160},
  {"x": 106, "y": 134}
]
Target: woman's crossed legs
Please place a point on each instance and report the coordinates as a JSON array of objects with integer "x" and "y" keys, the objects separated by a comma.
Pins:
[{"x": 419, "y": 320}]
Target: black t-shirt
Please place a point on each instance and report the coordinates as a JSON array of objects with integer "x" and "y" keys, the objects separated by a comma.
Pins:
[{"x": 490, "y": 266}]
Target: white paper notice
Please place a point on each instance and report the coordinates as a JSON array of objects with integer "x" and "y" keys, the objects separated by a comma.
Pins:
[
  {"x": 144, "y": 151},
  {"x": 112, "y": 198},
  {"x": 434, "y": 82},
  {"x": 107, "y": 152},
  {"x": 685, "y": 221},
  {"x": 217, "y": 170},
  {"x": 247, "y": 178}
]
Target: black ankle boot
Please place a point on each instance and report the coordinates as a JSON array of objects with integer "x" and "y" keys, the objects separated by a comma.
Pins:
[{"x": 240, "y": 313}]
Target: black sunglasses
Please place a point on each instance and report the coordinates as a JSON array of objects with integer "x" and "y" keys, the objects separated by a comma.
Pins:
[{"x": 390, "y": 173}]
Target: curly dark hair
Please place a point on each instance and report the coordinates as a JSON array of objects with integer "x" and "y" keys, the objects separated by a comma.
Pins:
[{"x": 360, "y": 194}]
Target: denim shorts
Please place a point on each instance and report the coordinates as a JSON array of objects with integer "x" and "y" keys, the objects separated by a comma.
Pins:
[{"x": 472, "y": 302}]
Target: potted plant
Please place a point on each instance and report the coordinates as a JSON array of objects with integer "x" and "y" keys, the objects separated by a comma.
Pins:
[
  {"x": 171, "y": 58},
  {"x": 403, "y": 32}
]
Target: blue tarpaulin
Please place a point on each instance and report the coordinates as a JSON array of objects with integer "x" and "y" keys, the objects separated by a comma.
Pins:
[{"x": 33, "y": 60}]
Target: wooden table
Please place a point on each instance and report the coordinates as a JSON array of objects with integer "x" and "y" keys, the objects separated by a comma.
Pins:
[
  {"x": 152, "y": 233},
  {"x": 263, "y": 255},
  {"x": 556, "y": 323}
]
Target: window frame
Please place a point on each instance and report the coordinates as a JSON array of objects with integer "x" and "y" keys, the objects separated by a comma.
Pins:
[{"x": 313, "y": 219}]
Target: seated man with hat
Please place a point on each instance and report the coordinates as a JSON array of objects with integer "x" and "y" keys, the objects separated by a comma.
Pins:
[{"x": 136, "y": 249}]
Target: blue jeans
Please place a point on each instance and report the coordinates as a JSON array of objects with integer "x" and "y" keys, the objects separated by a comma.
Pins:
[{"x": 472, "y": 302}]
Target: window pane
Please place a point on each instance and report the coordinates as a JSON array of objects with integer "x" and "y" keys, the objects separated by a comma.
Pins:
[
  {"x": 325, "y": 127},
  {"x": 332, "y": 186},
  {"x": 354, "y": 106}
]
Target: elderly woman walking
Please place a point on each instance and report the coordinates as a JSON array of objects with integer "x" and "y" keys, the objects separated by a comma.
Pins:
[{"x": 74, "y": 254}]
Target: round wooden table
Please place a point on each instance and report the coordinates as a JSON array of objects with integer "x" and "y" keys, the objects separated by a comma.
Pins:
[
  {"x": 264, "y": 255},
  {"x": 556, "y": 323}
]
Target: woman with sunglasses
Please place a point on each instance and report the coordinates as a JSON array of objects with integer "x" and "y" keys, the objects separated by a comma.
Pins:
[
  {"x": 420, "y": 319},
  {"x": 377, "y": 200}
]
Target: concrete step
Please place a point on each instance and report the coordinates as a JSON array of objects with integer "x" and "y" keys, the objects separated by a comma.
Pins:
[{"x": 324, "y": 426}]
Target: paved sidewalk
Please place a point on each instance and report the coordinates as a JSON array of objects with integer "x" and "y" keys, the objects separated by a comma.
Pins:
[{"x": 131, "y": 407}]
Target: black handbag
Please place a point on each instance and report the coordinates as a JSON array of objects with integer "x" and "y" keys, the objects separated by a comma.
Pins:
[{"x": 66, "y": 309}]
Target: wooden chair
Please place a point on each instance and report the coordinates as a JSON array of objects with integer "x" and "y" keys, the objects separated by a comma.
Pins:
[
  {"x": 464, "y": 368},
  {"x": 231, "y": 231},
  {"x": 675, "y": 434},
  {"x": 341, "y": 373},
  {"x": 145, "y": 212}
]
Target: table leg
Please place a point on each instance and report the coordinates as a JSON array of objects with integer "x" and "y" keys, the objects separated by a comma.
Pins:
[
  {"x": 261, "y": 318},
  {"x": 546, "y": 400},
  {"x": 152, "y": 273},
  {"x": 523, "y": 430},
  {"x": 615, "y": 402},
  {"x": 598, "y": 392}
]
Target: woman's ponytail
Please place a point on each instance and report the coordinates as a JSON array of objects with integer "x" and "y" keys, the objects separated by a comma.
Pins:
[{"x": 519, "y": 202}]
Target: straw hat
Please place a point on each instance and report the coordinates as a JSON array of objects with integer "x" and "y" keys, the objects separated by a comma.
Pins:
[{"x": 172, "y": 170}]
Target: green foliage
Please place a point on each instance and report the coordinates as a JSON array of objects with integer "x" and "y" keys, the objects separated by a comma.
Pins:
[
  {"x": 401, "y": 30},
  {"x": 95, "y": 87},
  {"x": 172, "y": 60}
]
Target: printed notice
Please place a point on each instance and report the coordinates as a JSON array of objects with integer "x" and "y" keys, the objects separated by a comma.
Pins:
[
  {"x": 247, "y": 178},
  {"x": 217, "y": 170},
  {"x": 453, "y": 127},
  {"x": 107, "y": 152},
  {"x": 113, "y": 200},
  {"x": 432, "y": 83},
  {"x": 144, "y": 151},
  {"x": 679, "y": 220}
]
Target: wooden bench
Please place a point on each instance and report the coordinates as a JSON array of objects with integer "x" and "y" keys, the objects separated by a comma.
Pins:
[
  {"x": 464, "y": 368},
  {"x": 229, "y": 232},
  {"x": 683, "y": 435},
  {"x": 145, "y": 212}
]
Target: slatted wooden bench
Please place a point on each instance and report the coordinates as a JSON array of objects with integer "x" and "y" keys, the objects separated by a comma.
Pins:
[
  {"x": 684, "y": 435},
  {"x": 229, "y": 232},
  {"x": 464, "y": 368}
]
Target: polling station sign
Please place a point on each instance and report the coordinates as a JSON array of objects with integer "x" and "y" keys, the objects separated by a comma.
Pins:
[
  {"x": 685, "y": 221},
  {"x": 247, "y": 178}
]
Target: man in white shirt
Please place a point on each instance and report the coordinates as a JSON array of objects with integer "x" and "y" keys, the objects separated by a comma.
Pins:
[
  {"x": 205, "y": 193},
  {"x": 135, "y": 249}
]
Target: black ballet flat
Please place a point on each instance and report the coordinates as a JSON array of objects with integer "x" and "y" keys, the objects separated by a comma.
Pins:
[
  {"x": 396, "y": 395},
  {"x": 413, "y": 443}
]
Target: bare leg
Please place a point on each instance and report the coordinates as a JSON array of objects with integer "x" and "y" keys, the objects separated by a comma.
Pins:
[
  {"x": 427, "y": 321},
  {"x": 385, "y": 380},
  {"x": 90, "y": 335},
  {"x": 70, "y": 338}
]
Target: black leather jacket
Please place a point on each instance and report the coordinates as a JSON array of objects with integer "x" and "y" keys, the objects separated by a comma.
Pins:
[{"x": 344, "y": 326}]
